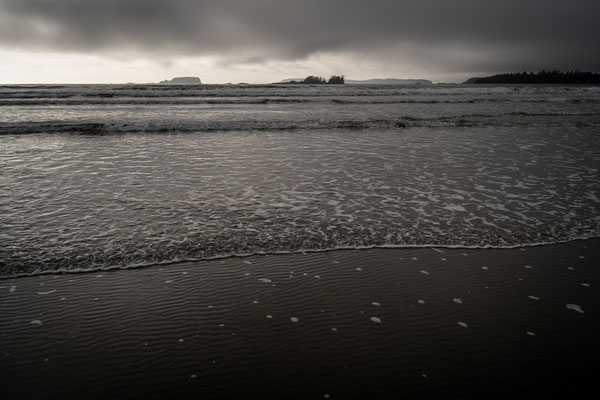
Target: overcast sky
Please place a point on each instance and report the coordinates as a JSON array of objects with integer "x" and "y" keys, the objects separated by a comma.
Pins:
[{"x": 268, "y": 40}]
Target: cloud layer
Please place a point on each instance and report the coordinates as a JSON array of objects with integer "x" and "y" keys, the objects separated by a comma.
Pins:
[{"x": 459, "y": 35}]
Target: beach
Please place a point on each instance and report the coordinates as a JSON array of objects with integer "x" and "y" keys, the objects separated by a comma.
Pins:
[{"x": 372, "y": 323}]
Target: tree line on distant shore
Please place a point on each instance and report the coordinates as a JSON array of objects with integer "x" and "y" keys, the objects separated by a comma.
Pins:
[
  {"x": 317, "y": 80},
  {"x": 554, "y": 76}
]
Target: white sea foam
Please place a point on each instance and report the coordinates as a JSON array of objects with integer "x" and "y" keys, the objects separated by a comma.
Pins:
[
  {"x": 459, "y": 301},
  {"x": 575, "y": 307},
  {"x": 463, "y": 324},
  {"x": 48, "y": 292},
  {"x": 533, "y": 297},
  {"x": 294, "y": 319},
  {"x": 376, "y": 319},
  {"x": 36, "y": 322}
]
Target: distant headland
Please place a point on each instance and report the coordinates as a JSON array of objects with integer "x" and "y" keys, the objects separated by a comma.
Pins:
[
  {"x": 337, "y": 79},
  {"x": 182, "y": 80},
  {"x": 541, "y": 77}
]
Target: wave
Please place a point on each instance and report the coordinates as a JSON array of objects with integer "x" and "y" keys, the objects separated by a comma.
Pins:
[
  {"x": 291, "y": 252},
  {"x": 513, "y": 119},
  {"x": 98, "y": 100}
]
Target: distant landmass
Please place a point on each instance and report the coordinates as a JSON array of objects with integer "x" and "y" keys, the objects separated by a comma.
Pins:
[
  {"x": 541, "y": 77},
  {"x": 376, "y": 81},
  {"x": 182, "y": 80},
  {"x": 316, "y": 80},
  {"x": 390, "y": 81}
]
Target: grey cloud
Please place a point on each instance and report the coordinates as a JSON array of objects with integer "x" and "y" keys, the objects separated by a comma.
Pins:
[{"x": 516, "y": 34}]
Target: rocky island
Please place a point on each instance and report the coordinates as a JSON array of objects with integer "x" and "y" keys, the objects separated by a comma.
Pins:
[{"x": 182, "y": 80}]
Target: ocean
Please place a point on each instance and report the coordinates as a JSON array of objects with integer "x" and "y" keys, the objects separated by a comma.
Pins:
[{"x": 96, "y": 177}]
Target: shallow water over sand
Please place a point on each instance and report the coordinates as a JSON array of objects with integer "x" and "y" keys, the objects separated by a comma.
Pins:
[{"x": 122, "y": 185}]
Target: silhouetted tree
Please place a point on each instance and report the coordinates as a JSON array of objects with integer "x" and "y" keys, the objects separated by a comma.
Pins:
[
  {"x": 544, "y": 77},
  {"x": 336, "y": 80},
  {"x": 314, "y": 80}
]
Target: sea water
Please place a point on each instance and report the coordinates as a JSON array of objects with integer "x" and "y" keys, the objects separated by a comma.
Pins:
[{"x": 119, "y": 176}]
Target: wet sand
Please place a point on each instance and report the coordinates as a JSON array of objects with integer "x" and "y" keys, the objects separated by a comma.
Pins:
[{"x": 381, "y": 323}]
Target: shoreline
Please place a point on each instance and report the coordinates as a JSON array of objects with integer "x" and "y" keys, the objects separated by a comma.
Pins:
[
  {"x": 295, "y": 252},
  {"x": 378, "y": 323}
]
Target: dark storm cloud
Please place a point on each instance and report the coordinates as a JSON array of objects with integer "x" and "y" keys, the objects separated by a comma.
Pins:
[{"x": 512, "y": 33}]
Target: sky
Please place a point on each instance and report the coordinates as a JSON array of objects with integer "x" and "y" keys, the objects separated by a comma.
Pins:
[{"x": 258, "y": 41}]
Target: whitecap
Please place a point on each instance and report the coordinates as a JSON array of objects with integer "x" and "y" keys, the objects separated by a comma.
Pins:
[
  {"x": 424, "y": 272},
  {"x": 36, "y": 322},
  {"x": 463, "y": 324},
  {"x": 294, "y": 319},
  {"x": 585, "y": 284},
  {"x": 533, "y": 297},
  {"x": 264, "y": 280},
  {"x": 530, "y": 333},
  {"x": 376, "y": 303},
  {"x": 421, "y": 301},
  {"x": 375, "y": 319},
  {"x": 45, "y": 293},
  {"x": 459, "y": 301},
  {"x": 12, "y": 288}
]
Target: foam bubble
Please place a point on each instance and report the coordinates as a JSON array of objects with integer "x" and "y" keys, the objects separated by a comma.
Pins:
[
  {"x": 12, "y": 289},
  {"x": 36, "y": 322},
  {"x": 530, "y": 333},
  {"x": 463, "y": 324},
  {"x": 459, "y": 301},
  {"x": 585, "y": 284},
  {"x": 264, "y": 280},
  {"x": 533, "y": 297},
  {"x": 294, "y": 319},
  {"x": 424, "y": 272},
  {"x": 375, "y": 319},
  {"x": 421, "y": 301},
  {"x": 376, "y": 303},
  {"x": 575, "y": 307}
]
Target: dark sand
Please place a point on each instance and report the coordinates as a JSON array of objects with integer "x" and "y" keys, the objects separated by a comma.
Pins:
[{"x": 202, "y": 330}]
